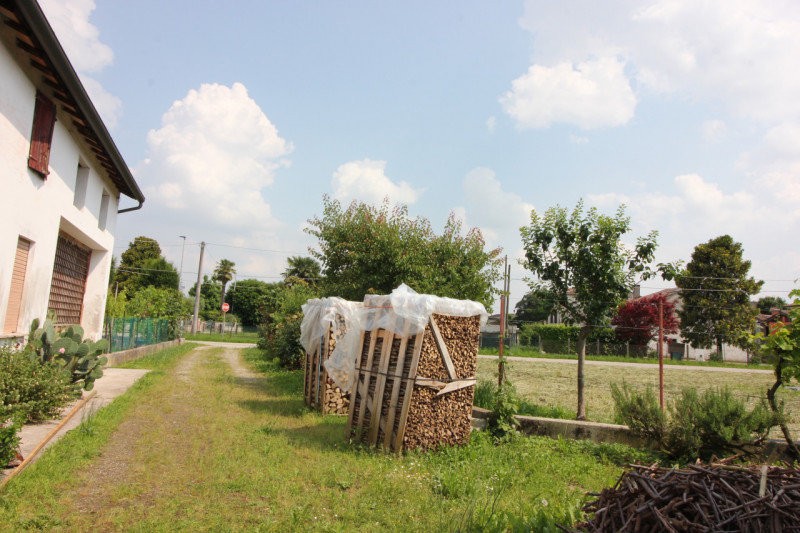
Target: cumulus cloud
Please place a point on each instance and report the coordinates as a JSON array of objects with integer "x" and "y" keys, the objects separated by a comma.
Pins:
[
  {"x": 213, "y": 154},
  {"x": 88, "y": 55},
  {"x": 736, "y": 53},
  {"x": 590, "y": 94},
  {"x": 366, "y": 181}
]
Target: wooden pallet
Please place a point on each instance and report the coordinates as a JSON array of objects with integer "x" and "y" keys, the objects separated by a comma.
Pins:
[
  {"x": 416, "y": 391},
  {"x": 319, "y": 390}
]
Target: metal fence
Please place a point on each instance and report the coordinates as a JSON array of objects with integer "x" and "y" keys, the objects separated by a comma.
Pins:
[{"x": 128, "y": 333}]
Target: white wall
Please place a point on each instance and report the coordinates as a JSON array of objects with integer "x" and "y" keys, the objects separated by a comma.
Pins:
[{"x": 37, "y": 208}]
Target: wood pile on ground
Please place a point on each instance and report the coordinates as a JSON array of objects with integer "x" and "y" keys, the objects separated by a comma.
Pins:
[
  {"x": 699, "y": 498},
  {"x": 416, "y": 391},
  {"x": 319, "y": 390}
]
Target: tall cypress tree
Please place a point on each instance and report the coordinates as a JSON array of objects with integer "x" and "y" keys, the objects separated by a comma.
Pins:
[{"x": 716, "y": 292}]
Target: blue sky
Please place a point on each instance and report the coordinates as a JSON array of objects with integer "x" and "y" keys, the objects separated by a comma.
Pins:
[{"x": 237, "y": 118}]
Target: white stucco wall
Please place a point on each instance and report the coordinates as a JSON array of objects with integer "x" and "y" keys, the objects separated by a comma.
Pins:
[{"x": 37, "y": 209}]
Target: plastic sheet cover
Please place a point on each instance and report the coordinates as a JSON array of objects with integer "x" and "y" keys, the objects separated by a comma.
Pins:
[
  {"x": 404, "y": 313},
  {"x": 318, "y": 313}
]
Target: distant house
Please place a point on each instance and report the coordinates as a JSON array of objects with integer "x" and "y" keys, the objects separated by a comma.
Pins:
[
  {"x": 62, "y": 178},
  {"x": 768, "y": 322}
]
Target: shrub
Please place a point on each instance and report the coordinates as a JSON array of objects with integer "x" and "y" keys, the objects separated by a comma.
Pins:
[
  {"x": 32, "y": 390},
  {"x": 698, "y": 425},
  {"x": 9, "y": 439}
]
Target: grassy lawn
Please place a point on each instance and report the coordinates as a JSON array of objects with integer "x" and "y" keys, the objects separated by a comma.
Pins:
[
  {"x": 195, "y": 446},
  {"x": 554, "y": 384},
  {"x": 242, "y": 336}
]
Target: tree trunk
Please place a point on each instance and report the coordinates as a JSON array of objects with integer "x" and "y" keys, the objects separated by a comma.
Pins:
[
  {"x": 222, "y": 297},
  {"x": 719, "y": 348},
  {"x": 582, "y": 336},
  {"x": 773, "y": 404}
]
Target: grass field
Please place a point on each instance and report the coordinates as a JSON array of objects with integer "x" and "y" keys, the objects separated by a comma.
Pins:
[
  {"x": 198, "y": 446},
  {"x": 554, "y": 384},
  {"x": 243, "y": 337}
]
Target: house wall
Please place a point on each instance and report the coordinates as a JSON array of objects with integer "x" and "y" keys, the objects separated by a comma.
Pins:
[{"x": 38, "y": 209}]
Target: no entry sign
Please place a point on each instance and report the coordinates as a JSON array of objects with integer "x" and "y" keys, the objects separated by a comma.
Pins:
[{"x": 225, "y": 308}]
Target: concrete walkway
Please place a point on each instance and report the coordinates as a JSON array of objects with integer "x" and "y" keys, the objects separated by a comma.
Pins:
[
  {"x": 115, "y": 382},
  {"x": 227, "y": 344},
  {"x": 639, "y": 365}
]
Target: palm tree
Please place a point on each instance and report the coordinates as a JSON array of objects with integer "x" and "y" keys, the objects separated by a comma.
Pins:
[
  {"x": 224, "y": 273},
  {"x": 305, "y": 268}
]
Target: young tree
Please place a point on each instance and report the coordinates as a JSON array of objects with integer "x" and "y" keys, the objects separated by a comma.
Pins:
[
  {"x": 583, "y": 251},
  {"x": 252, "y": 299},
  {"x": 223, "y": 274},
  {"x": 637, "y": 321},
  {"x": 304, "y": 268},
  {"x": 210, "y": 295},
  {"x": 535, "y": 306},
  {"x": 158, "y": 273},
  {"x": 367, "y": 249},
  {"x": 132, "y": 261},
  {"x": 716, "y": 294}
]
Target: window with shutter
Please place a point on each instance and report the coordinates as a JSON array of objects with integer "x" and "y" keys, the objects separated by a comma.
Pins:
[
  {"x": 70, "y": 270},
  {"x": 11, "y": 324},
  {"x": 44, "y": 120}
]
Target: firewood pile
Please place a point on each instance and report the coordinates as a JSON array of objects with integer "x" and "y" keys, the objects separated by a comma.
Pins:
[
  {"x": 325, "y": 324},
  {"x": 415, "y": 390},
  {"x": 699, "y": 498}
]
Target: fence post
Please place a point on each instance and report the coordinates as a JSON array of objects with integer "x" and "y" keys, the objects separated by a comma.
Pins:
[
  {"x": 627, "y": 348},
  {"x": 540, "y": 343},
  {"x": 569, "y": 347},
  {"x": 598, "y": 346}
]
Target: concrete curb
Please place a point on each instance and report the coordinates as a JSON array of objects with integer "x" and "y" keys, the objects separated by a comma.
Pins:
[{"x": 117, "y": 358}]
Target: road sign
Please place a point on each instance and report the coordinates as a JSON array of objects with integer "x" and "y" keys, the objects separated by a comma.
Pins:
[{"x": 225, "y": 308}]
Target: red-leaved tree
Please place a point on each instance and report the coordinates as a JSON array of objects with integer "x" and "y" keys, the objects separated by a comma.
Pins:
[{"x": 636, "y": 320}]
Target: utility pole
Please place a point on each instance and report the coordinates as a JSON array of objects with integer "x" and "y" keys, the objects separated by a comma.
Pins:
[
  {"x": 180, "y": 275},
  {"x": 197, "y": 288},
  {"x": 661, "y": 354},
  {"x": 501, "y": 362}
]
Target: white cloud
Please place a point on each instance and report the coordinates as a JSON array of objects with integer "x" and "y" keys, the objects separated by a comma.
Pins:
[
  {"x": 81, "y": 42},
  {"x": 714, "y": 130},
  {"x": 590, "y": 94},
  {"x": 577, "y": 139},
  {"x": 737, "y": 53},
  {"x": 490, "y": 124},
  {"x": 499, "y": 214},
  {"x": 214, "y": 153},
  {"x": 366, "y": 181}
]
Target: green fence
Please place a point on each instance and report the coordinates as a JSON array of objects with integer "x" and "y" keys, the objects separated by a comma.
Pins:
[{"x": 128, "y": 333}]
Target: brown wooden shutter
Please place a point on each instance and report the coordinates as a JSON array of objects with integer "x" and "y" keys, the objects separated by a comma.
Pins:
[
  {"x": 70, "y": 270},
  {"x": 44, "y": 120},
  {"x": 11, "y": 324}
]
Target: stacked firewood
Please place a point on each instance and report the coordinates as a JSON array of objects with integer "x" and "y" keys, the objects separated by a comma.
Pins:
[
  {"x": 717, "y": 497},
  {"x": 416, "y": 391},
  {"x": 320, "y": 392}
]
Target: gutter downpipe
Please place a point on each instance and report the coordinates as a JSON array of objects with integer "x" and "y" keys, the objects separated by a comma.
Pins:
[{"x": 127, "y": 209}]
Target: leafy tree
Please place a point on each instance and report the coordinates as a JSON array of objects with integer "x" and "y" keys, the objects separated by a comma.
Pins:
[
  {"x": 210, "y": 295},
  {"x": 252, "y": 299},
  {"x": 305, "y": 268},
  {"x": 158, "y": 273},
  {"x": 535, "y": 306},
  {"x": 280, "y": 335},
  {"x": 223, "y": 274},
  {"x": 367, "y": 249},
  {"x": 784, "y": 344},
  {"x": 583, "y": 252},
  {"x": 151, "y": 302},
  {"x": 133, "y": 260},
  {"x": 637, "y": 320},
  {"x": 765, "y": 304},
  {"x": 716, "y": 294}
]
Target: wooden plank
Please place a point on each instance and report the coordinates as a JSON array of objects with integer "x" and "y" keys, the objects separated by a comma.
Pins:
[
  {"x": 412, "y": 374},
  {"x": 377, "y": 401},
  {"x": 437, "y": 336},
  {"x": 363, "y": 387},
  {"x": 352, "y": 406},
  {"x": 396, "y": 383},
  {"x": 457, "y": 385}
]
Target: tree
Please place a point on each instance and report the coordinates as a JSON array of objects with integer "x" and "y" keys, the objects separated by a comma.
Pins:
[
  {"x": 158, "y": 273},
  {"x": 535, "y": 306},
  {"x": 210, "y": 295},
  {"x": 224, "y": 273},
  {"x": 765, "y": 304},
  {"x": 304, "y": 268},
  {"x": 252, "y": 299},
  {"x": 716, "y": 294},
  {"x": 367, "y": 249},
  {"x": 151, "y": 302},
  {"x": 132, "y": 261},
  {"x": 582, "y": 253},
  {"x": 637, "y": 321}
]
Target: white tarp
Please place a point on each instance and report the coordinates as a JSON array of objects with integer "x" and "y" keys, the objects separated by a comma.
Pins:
[
  {"x": 404, "y": 313},
  {"x": 318, "y": 313}
]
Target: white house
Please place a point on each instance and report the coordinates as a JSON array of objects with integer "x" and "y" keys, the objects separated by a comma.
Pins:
[{"x": 62, "y": 177}]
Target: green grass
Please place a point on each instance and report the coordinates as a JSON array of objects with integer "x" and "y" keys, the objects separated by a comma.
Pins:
[
  {"x": 528, "y": 351},
  {"x": 193, "y": 447},
  {"x": 243, "y": 336}
]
